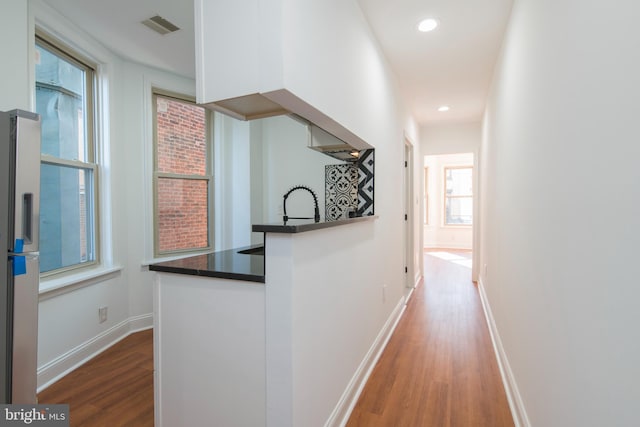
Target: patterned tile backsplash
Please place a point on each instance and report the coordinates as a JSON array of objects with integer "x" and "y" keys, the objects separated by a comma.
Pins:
[
  {"x": 366, "y": 164},
  {"x": 349, "y": 187}
]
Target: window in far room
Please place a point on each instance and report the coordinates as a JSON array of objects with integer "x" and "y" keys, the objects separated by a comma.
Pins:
[
  {"x": 458, "y": 195},
  {"x": 426, "y": 196},
  {"x": 64, "y": 95},
  {"x": 182, "y": 175}
]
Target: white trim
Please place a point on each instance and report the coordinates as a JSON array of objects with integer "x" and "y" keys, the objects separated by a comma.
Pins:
[
  {"x": 349, "y": 398},
  {"x": 448, "y": 245},
  {"x": 57, "y": 368},
  {"x": 157, "y": 359},
  {"x": 151, "y": 80},
  {"x": 51, "y": 23},
  {"x": 516, "y": 405},
  {"x": 59, "y": 285}
]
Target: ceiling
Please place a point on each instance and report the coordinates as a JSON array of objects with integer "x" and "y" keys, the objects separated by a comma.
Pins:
[{"x": 450, "y": 66}]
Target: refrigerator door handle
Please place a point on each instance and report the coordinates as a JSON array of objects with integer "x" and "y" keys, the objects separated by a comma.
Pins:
[
  {"x": 27, "y": 218},
  {"x": 27, "y": 181}
]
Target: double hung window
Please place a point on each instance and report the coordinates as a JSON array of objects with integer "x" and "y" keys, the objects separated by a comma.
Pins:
[
  {"x": 458, "y": 195},
  {"x": 182, "y": 175},
  {"x": 64, "y": 95}
]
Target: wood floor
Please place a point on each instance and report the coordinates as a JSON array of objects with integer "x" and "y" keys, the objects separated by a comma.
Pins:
[
  {"x": 115, "y": 389},
  {"x": 439, "y": 367}
]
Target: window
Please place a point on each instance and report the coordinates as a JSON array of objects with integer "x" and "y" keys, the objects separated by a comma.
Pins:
[
  {"x": 458, "y": 195},
  {"x": 426, "y": 196},
  {"x": 182, "y": 175},
  {"x": 68, "y": 195}
]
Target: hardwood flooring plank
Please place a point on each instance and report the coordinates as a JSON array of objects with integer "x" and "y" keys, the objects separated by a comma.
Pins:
[
  {"x": 114, "y": 389},
  {"x": 439, "y": 368}
]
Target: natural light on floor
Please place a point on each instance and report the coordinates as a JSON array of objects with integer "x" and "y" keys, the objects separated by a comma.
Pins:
[{"x": 453, "y": 258}]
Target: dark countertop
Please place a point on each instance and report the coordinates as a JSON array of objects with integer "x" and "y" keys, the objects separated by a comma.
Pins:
[
  {"x": 229, "y": 264},
  {"x": 245, "y": 263},
  {"x": 302, "y": 225}
]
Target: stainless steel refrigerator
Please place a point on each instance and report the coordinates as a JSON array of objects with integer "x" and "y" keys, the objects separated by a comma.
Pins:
[{"x": 19, "y": 264}]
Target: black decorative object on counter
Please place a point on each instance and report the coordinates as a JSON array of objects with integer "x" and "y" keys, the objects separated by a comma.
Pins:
[{"x": 316, "y": 216}]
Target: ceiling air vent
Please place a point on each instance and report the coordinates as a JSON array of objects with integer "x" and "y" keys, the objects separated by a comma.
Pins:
[{"x": 160, "y": 25}]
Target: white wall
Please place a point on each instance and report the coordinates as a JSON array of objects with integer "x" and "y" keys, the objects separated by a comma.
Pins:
[
  {"x": 436, "y": 234},
  {"x": 209, "y": 345},
  {"x": 233, "y": 174},
  {"x": 450, "y": 138},
  {"x": 561, "y": 210},
  {"x": 256, "y": 163},
  {"x": 287, "y": 162},
  {"x": 14, "y": 80},
  {"x": 319, "y": 299}
]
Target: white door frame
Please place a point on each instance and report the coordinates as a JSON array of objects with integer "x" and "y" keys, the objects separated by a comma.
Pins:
[{"x": 407, "y": 182}]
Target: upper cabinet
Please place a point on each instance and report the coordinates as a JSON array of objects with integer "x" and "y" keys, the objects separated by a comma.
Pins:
[{"x": 261, "y": 58}]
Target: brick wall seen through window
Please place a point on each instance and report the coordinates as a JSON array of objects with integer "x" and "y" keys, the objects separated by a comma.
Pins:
[{"x": 182, "y": 177}]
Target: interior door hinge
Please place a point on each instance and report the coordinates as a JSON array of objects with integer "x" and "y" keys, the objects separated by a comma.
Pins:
[
  {"x": 405, "y": 164},
  {"x": 406, "y": 217},
  {"x": 406, "y": 269}
]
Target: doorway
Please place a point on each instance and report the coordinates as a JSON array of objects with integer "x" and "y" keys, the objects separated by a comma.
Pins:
[
  {"x": 449, "y": 191},
  {"x": 410, "y": 252}
]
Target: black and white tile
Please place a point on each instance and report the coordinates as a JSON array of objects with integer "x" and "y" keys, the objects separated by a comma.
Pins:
[
  {"x": 350, "y": 187},
  {"x": 341, "y": 191},
  {"x": 366, "y": 164}
]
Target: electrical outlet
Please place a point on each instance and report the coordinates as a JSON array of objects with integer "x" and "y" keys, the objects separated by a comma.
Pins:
[{"x": 102, "y": 314}]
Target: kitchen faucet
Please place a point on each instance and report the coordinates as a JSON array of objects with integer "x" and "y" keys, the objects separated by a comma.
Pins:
[{"x": 316, "y": 217}]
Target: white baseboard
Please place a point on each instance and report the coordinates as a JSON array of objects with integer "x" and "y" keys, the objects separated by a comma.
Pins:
[
  {"x": 516, "y": 405},
  {"x": 57, "y": 368},
  {"x": 416, "y": 280},
  {"x": 448, "y": 245},
  {"x": 347, "y": 402}
]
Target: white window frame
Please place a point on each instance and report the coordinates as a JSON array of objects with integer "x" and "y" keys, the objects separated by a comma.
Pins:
[
  {"x": 426, "y": 195},
  {"x": 446, "y": 197},
  {"x": 66, "y": 52},
  {"x": 155, "y": 93}
]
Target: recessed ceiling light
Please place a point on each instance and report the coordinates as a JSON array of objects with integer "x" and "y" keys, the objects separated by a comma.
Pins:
[
  {"x": 443, "y": 108},
  {"x": 427, "y": 25}
]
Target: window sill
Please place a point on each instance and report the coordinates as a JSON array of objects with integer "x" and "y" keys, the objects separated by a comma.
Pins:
[{"x": 54, "y": 286}]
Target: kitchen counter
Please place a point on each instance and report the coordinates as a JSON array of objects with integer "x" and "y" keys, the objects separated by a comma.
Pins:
[
  {"x": 237, "y": 333},
  {"x": 303, "y": 225},
  {"x": 245, "y": 263}
]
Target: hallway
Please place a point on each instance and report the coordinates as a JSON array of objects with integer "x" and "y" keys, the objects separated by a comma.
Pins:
[{"x": 439, "y": 368}]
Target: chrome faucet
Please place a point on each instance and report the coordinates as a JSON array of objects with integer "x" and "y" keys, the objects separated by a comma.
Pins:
[{"x": 316, "y": 217}]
